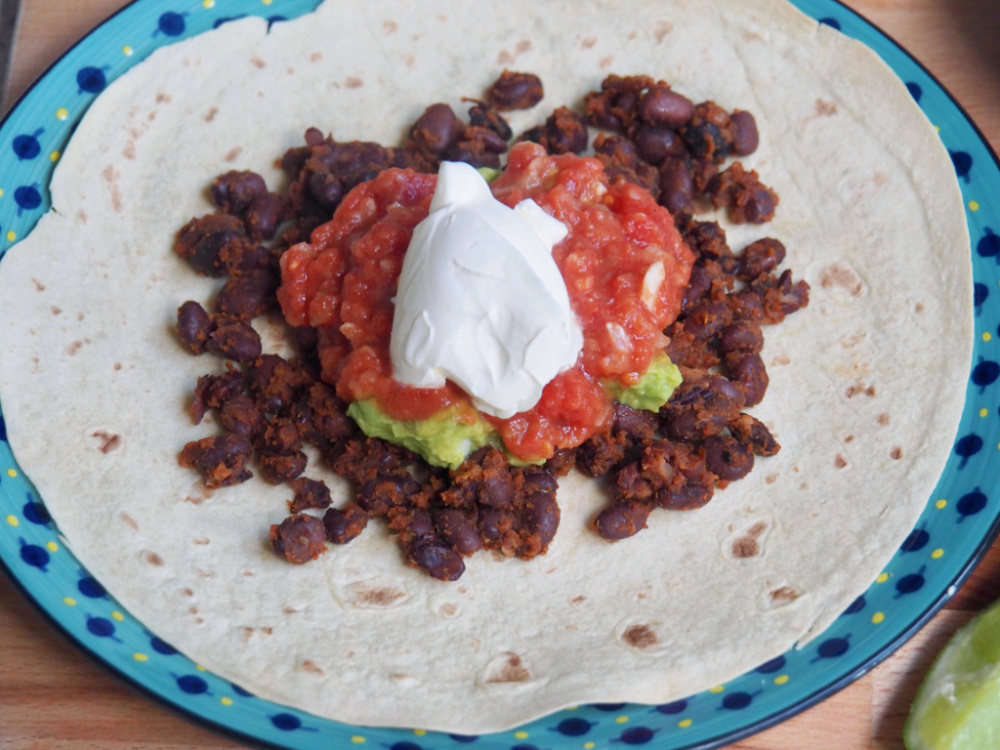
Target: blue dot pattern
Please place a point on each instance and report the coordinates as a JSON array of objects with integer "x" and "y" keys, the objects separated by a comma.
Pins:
[{"x": 959, "y": 518}]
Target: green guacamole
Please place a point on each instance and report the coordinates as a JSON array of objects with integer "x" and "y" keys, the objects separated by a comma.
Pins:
[
  {"x": 443, "y": 440},
  {"x": 653, "y": 388},
  {"x": 453, "y": 433}
]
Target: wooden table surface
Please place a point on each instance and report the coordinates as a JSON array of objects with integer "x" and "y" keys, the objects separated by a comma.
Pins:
[{"x": 73, "y": 703}]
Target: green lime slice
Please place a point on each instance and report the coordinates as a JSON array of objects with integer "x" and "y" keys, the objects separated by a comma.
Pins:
[{"x": 958, "y": 706}]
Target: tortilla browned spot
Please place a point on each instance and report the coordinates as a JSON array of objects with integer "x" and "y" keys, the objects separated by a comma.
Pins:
[
  {"x": 839, "y": 461},
  {"x": 110, "y": 442},
  {"x": 640, "y": 635},
  {"x": 784, "y": 594},
  {"x": 510, "y": 669},
  {"x": 896, "y": 452},
  {"x": 311, "y": 666},
  {"x": 154, "y": 559},
  {"x": 662, "y": 29},
  {"x": 882, "y": 418},
  {"x": 747, "y": 545},
  {"x": 839, "y": 275}
]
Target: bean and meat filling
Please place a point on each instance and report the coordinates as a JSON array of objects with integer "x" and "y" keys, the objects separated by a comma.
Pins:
[{"x": 270, "y": 409}]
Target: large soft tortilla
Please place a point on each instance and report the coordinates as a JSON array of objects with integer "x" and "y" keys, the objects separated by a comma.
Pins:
[{"x": 867, "y": 383}]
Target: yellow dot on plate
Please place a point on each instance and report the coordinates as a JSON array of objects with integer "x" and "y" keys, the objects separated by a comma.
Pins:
[
  {"x": 118, "y": 616},
  {"x": 11, "y": 236},
  {"x": 684, "y": 723},
  {"x": 208, "y": 3},
  {"x": 420, "y": 732},
  {"x": 266, "y": 2},
  {"x": 12, "y": 520},
  {"x": 984, "y": 412},
  {"x": 937, "y": 128},
  {"x": 717, "y": 689},
  {"x": 588, "y": 746},
  {"x": 877, "y": 618},
  {"x": 973, "y": 205},
  {"x": 940, "y": 504},
  {"x": 621, "y": 719},
  {"x": 882, "y": 578},
  {"x": 1, "y": 192},
  {"x": 140, "y": 657},
  {"x": 11, "y": 472},
  {"x": 987, "y": 336},
  {"x": 54, "y": 156},
  {"x": 781, "y": 679},
  {"x": 62, "y": 113},
  {"x": 357, "y": 739},
  {"x": 70, "y": 601},
  {"x": 520, "y": 735},
  {"x": 53, "y": 547},
  {"x": 225, "y": 701},
  {"x": 127, "y": 51},
  {"x": 938, "y": 553},
  {"x": 199, "y": 667}
]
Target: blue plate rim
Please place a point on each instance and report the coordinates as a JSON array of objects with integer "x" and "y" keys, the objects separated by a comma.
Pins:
[{"x": 713, "y": 743}]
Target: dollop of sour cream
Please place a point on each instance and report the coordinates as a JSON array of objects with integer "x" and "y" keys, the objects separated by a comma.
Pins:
[{"x": 480, "y": 299}]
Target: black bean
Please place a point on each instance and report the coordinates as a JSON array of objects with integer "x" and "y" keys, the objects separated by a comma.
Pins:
[
  {"x": 281, "y": 436},
  {"x": 435, "y": 130},
  {"x": 654, "y": 144},
  {"x": 760, "y": 207},
  {"x": 745, "y": 137},
  {"x": 248, "y": 295},
  {"x": 661, "y": 106},
  {"x": 727, "y": 458},
  {"x": 326, "y": 189},
  {"x": 741, "y": 335},
  {"x": 760, "y": 257},
  {"x": 515, "y": 91},
  {"x": 436, "y": 558},
  {"x": 747, "y": 370},
  {"x": 193, "y": 326},
  {"x": 275, "y": 469},
  {"x": 540, "y": 516},
  {"x": 699, "y": 283},
  {"x": 706, "y": 141},
  {"x": 234, "y": 191},
  {"x": 241, "y": 416},
  {"x": 384, "y": 492},
  {"x": 622, "y": 520},
  {"x": 707, "y": 318},
  {"x": 344, "y": 524},
  {"x": 264, "y": 215},
  {"x": 458, "y": 529},
  {"x": 484, "y": 116},
  {"x": 221, "y": 460},
  {"x": 299, "y": 538},
  {"x": 676, "y": 186},
  {"x": 234, "y": 339},
  {"x": 565, "y": 132},
  {"x": 203, "y": 242}
]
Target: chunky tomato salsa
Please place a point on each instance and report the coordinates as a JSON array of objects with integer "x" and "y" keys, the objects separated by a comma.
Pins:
[{"x": 624, "y": 263}]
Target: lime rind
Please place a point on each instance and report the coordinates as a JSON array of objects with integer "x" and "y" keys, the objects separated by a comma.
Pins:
[{"x": 958, "y": 705}]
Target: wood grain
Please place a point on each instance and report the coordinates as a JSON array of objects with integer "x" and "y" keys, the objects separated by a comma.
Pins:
[{"x": 54, "y": 697}]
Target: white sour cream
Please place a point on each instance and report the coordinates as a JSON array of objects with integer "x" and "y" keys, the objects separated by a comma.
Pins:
[{"x": 480, "y": 300}]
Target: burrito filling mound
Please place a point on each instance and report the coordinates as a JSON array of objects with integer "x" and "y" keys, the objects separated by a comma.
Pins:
[{"x": 650, "y": 351}]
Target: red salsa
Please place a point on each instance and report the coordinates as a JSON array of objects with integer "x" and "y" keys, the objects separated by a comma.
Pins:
[{"x": 624, "y": 263}]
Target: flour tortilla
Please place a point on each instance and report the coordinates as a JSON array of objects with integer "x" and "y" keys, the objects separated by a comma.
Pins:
[{"x": 867, "y": 383}]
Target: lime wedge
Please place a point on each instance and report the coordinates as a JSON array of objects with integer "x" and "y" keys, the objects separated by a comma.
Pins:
[{"x": 958, "y": 706}]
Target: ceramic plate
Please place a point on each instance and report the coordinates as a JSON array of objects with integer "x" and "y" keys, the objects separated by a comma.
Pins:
[{"x": 956, "y": 528}]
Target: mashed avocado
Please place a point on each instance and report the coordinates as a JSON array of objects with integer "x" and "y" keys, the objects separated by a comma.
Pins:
[
  {"x": 443, "y": 440},
  {"x": 453, "y": 433},
  {"x": 653, "y": 388}
]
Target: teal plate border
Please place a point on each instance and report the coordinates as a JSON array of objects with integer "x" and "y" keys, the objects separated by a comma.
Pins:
[{"x": 961, "y": 519}]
